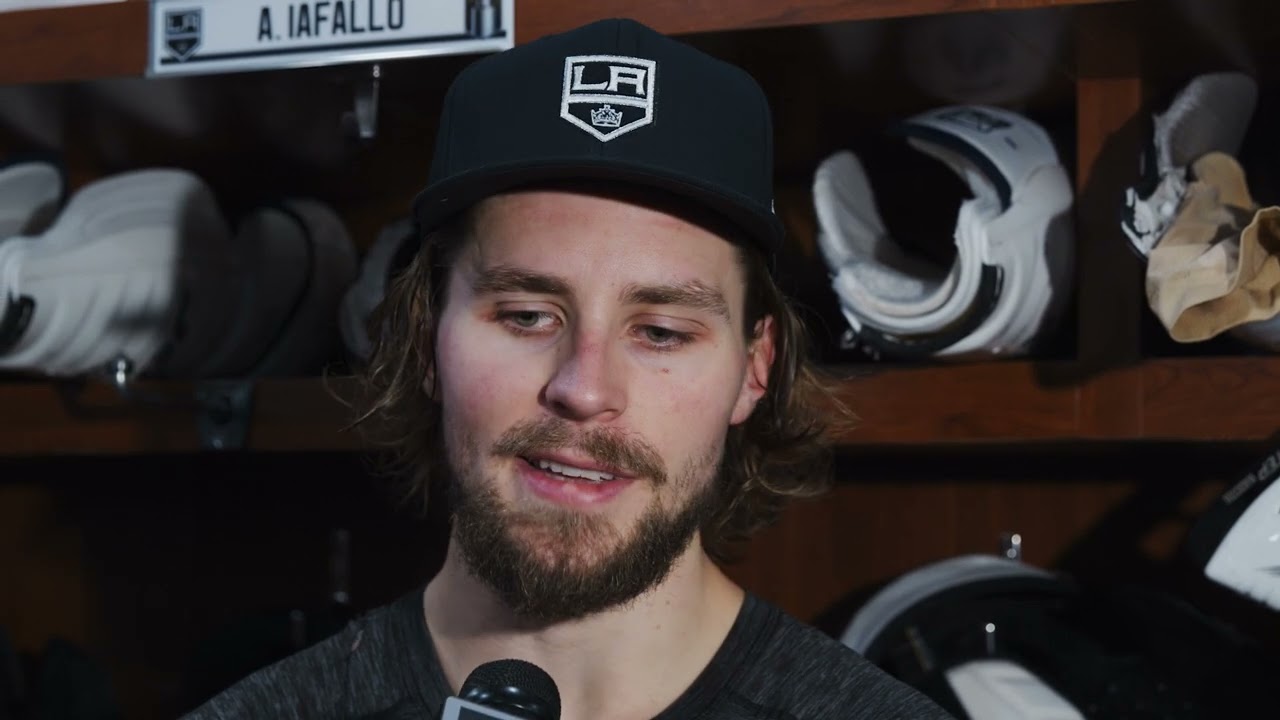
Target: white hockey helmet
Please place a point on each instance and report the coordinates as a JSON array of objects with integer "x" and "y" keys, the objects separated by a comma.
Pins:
[
  {"x": 950, "y": 613},
  {"x": 141, "y": 274},
  {"x": 989, "y": 637},
  {"x": 1014, "y": 262},
  {"x": 107, "y": 280}
]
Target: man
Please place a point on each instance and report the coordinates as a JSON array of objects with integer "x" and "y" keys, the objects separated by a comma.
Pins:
[{"x": 590, "y": 361}]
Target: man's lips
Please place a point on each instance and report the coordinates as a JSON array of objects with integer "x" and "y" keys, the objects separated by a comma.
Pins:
[
  {"x": 578, "y": 463},
  {"x": 567, "y": 491}
]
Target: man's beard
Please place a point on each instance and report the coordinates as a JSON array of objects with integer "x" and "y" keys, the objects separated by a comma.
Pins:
[{"x": 553, "y": 564}]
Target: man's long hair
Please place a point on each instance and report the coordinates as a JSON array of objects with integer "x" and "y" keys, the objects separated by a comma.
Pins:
[{"x": 779, "y": 453}]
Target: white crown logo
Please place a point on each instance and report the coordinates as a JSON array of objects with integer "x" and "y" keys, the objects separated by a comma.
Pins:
[
  {"x": 606, "y": 117},
  {"x": 606, "y": 96}
]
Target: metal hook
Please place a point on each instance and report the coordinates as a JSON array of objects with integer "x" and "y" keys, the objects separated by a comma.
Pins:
[
  {"x": 1011, "y": 546},
  {"x": 121, "y": 370},
  {"x": 223, "y": 407},
  {"x": 366, "y": 104}
]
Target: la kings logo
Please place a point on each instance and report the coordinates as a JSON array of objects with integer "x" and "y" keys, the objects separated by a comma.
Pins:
[
  {"x": 182, "y": 32},
  {"x": 608, "y": 95}
]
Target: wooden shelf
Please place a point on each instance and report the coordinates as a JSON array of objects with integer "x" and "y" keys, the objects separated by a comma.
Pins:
[
  {"x": 987, "y": 402},
  {"x": 1184, "y": 399},
  {"x": 1213, "y": 399},
  {"x": 1204, "y": 399},
  {"x": 50, "y": 418},
  {"x": 110, "y": 40}
]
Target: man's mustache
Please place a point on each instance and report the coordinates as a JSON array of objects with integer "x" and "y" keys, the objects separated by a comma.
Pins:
[{"x": 610, "y": 447}]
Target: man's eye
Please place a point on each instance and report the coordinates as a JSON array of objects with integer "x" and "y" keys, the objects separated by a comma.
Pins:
[
  {"x": 525, "y": 319},
  {"x": 526, "y": 322},
  {"x": 663, "y": 338}
]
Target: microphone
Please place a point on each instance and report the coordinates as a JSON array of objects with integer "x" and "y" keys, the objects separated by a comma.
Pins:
[{"x": 505, "y": 690}]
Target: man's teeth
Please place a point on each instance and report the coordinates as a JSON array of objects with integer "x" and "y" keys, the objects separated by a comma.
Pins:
[{"x": 573, "y": 472}]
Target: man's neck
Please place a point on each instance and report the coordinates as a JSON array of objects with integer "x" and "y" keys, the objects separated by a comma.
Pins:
[{"x": 624, "y": 663}]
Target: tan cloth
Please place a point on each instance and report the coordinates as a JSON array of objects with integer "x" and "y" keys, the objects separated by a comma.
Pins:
[{"x": 1218, "y": 266}]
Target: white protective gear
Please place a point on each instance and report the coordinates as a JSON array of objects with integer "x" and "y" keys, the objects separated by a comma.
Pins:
[{"x": 1014, "y": 242}]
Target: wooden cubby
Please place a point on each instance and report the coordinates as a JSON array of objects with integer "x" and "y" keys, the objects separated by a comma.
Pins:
[
  {"x": 1101, "y": 389},
  {"x": 128, "y": 538}
]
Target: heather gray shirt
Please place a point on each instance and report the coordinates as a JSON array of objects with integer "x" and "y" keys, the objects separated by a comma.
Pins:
[{"x": 770, "y": 667}]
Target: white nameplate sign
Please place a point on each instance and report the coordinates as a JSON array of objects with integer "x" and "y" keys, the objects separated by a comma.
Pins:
[{"x": 212, "y": 36}]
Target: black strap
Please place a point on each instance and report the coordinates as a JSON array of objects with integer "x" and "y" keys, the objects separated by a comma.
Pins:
[{"x": 15, "y": 320}]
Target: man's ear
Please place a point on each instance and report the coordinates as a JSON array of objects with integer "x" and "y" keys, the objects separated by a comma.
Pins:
[{"x": 756, "y": 380}]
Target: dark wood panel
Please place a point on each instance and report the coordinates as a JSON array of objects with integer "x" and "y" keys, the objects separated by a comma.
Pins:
[
  {"x": 684, "y": 16},
  {"x": 1109, "y": 299},
  {"x": 76, "y": 43},
  {"x": 109, "y": 40},
  {"x": 47, "y": 418},
  {"x": 178, "y": 588},
  {"x": 1217, "y": 398},
  {"x": 999, "y": 401},
  {"x": 1105, "y": 513},
  {"x": 825, "y": 555},
  {"x": 1014, "y": 402},
  {"x": 175, "y": 589},
  {"x": 46, "y": 593}
]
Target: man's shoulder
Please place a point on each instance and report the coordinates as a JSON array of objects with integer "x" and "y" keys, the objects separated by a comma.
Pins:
[
  {"x": 318, "y": 682},
  {"x": 809, "y": 674}
]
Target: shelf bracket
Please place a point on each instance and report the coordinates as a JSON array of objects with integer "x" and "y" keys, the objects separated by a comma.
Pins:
[{"x": 226, "y": 407}]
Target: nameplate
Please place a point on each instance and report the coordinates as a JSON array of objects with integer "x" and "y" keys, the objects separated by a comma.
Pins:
[{"x": 215, "y": 36}]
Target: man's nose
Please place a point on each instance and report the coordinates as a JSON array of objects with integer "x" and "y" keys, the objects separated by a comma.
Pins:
[{"x": 587, "y": 382}]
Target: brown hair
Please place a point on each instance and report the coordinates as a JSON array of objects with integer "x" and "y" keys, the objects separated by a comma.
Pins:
[{"x": 777, "y": 454}]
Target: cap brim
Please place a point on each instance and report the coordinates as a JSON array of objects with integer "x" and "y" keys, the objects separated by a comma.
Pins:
[{"x": 438, "y": 203}]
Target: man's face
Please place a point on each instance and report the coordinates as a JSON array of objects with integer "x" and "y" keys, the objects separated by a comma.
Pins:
[{"x": 591, "y": 358}]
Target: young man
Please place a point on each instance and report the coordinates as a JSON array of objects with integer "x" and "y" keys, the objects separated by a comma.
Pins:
[{"x": 590, "y": 362}]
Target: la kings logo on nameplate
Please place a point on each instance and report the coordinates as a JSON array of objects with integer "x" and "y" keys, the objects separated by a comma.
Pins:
[
  {"x": 182, "y": 32},
  {"x": 608, "y": 95}
]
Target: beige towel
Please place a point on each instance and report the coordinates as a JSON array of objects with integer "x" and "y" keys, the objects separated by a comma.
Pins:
[{"x": 1218, "y": 266}]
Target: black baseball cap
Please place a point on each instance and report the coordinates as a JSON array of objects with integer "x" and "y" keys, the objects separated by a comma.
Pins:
[{"x": 612, "y": 100}]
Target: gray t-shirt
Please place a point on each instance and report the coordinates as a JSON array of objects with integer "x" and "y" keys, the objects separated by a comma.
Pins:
[{"x": 770, "y": 667}]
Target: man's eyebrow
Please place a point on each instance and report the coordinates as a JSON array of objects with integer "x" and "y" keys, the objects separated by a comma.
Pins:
[
  {"x": 504, "y": 278},
  {"x": 691, "y": 294}
]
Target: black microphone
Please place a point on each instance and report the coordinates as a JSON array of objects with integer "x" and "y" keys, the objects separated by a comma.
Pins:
[{"x": 505, "y": 690}]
